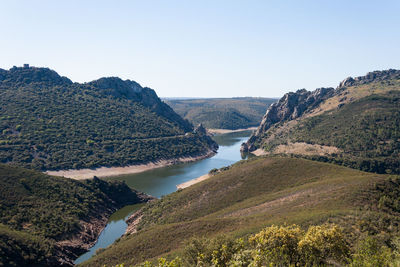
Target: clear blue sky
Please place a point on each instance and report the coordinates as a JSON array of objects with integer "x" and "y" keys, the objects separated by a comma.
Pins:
[{"x": 204, "y": 48}]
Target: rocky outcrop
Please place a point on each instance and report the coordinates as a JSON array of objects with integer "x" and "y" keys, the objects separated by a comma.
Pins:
[
  {"x": 291, "y": 106},
  {"x": 66, "y": 251},
  {"x": 370, "y": 77},
  {"x": 200, "y": 130},
  {"x": 133, "y": 222}
]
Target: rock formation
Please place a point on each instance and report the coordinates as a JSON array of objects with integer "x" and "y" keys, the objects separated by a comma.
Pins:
[{"x": 291, "y": 106}]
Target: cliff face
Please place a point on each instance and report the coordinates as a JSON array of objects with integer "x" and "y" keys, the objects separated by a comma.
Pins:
[{"x": 289, "y": 107}]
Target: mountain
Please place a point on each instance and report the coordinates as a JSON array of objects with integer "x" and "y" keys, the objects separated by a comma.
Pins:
[
  {"x": 50, "y": 221},
  {"x": 356, "y": 125},
  {"x": 48, "y": 122},
  {"x": 241, "y": 200},
  {"x": 222, "y": 113}
]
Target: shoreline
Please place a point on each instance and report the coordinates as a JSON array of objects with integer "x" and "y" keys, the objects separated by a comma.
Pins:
[
  {"x": 193, "y": 181},
  {"x": 82, "y": 174},
  {"x": 225, "y": 131}
]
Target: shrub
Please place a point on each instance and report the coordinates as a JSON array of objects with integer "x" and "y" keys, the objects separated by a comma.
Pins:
[
  {"x": 276, "y": 245},
  {"x": 321, "y": 243},
  {"x": 370, "y": 253}
]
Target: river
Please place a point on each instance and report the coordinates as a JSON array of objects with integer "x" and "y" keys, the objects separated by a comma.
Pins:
[{"x": 162, "y": 181}]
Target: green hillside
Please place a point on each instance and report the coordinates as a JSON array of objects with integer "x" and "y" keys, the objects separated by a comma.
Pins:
[
  {"x": 48, "y": 122},
  {"x": 222, "y": 113},
  {"x": 257, "y": 193},
  {"x": 356, "y": 125},
  {"x": 40, "y": 213}
]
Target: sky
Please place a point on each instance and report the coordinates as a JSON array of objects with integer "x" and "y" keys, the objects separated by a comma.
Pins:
[{"x": 209, "y": 48}]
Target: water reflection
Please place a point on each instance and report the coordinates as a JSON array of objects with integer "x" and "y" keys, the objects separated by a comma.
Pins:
[
  {"x": 162, "y": 181},
  {"x": 115, "y": 229}
]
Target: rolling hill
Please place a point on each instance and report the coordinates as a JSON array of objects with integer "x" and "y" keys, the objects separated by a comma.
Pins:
[
  {"x": 256, "y": 193},
  {"x": 50, "y": 221},
  {"x": 48, "y": 122},
  {"x": 222, "y": 113}
]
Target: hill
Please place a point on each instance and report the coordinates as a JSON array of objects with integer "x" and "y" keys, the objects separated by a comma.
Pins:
[
  {"x": 50, "y": 221},
  {"x": 356, "y": 124},
  {"x": 48, "y": 122},
  {"x": 243, "y": 199},
  {"x": 222, "y": 113}
]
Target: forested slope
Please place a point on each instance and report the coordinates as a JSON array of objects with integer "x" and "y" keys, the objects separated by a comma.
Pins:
[
  {"x": 47, "y": 220},
  {"x": 48, "y": 122}
]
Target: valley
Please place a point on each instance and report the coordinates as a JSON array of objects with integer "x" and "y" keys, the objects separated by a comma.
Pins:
[
  {"x": 163, "y": 181},
  {"x": 200, "y": 133},
  {"x": 298, "y": 181},
  {"x": 326, "y": 158}
]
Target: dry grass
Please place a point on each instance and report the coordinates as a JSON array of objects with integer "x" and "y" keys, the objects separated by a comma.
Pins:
[
  {"x": 306, "y": 149},
  {"x": 353, "y": 93}
]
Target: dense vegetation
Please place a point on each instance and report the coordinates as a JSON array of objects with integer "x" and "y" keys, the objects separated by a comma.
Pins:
[
  {"x": 222, "y": 113},
  {"x": 48, "y": 122},
  {"x": 251, "y": 195},
  {"x": 367, "y": 131},
  {"x": 37, "y": 210}
]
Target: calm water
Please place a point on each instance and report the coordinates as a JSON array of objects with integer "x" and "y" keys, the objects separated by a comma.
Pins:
[{"x": 162, "y": 181}]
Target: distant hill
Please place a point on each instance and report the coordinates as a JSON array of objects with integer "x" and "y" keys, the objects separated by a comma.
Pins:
[
  {"x": 251, "y": 195},
  {"x": 48, "y": 122},
  {"x": 356, "y": 125},
  {"x": 50, "y": 221},
  {"x": 222, "y": 113}
]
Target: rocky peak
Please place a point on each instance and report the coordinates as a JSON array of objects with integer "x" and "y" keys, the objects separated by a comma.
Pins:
[
  {"x": 118, "y": 88},
  {"x": 370, "y": 77},
  {"x": 292, "y": 105}
]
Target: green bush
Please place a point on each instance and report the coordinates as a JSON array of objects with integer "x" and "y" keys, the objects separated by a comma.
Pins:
[{"x": 370, "y": 254}]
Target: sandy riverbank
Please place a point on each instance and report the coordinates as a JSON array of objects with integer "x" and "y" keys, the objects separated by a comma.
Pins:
[
  {"x": 193, "y": 181},
  {"x": 82, "y": 174},
  {"x": 225, "y": 131}
]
